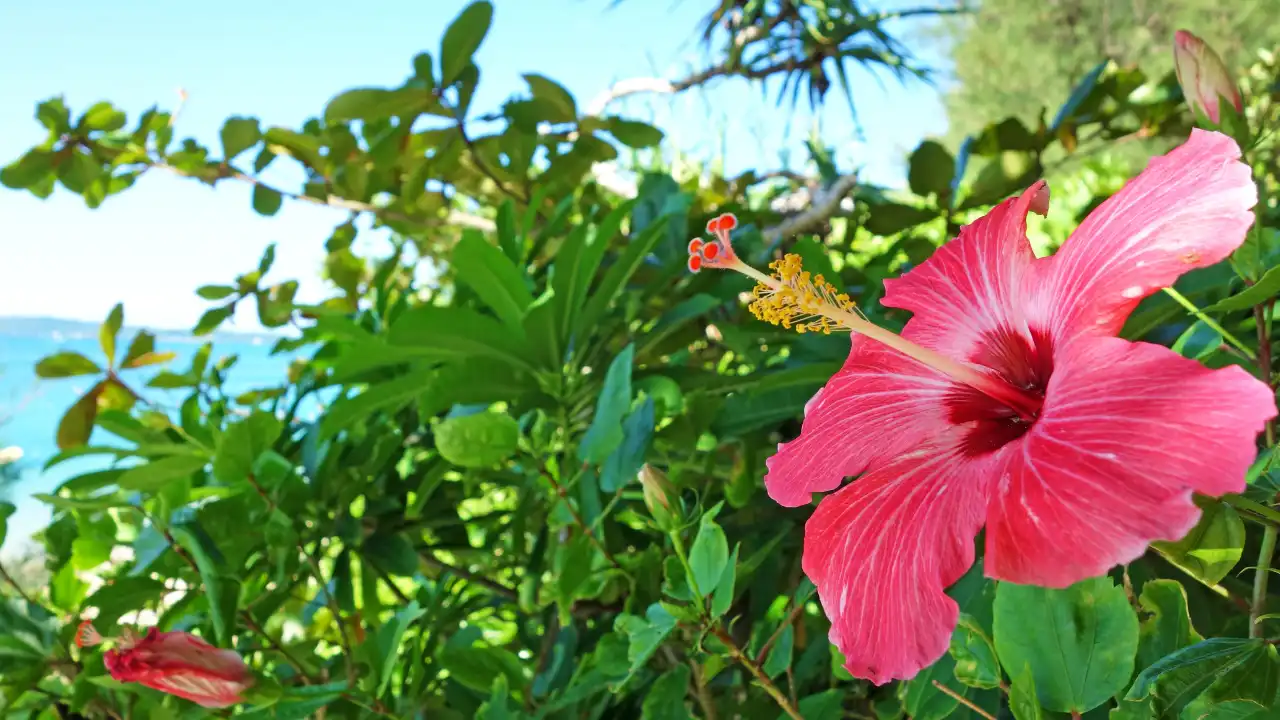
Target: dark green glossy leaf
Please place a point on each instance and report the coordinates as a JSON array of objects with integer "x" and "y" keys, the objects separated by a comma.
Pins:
[
  {"x": 893, "y": 218},
  {"x": 665, "y": 699},
  {"x": 605, "y": 433},
  {"x": 1267, "y": 287},
  {"x": 266, "y": 201},
  {"x": 633, "y": 134},
  {"x": 930, "y": 169}
]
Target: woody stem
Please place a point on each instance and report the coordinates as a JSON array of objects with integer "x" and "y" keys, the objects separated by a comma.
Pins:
[{"x": 1025, "y": 405}]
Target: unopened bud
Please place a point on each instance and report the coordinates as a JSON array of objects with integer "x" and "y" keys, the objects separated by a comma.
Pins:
[
  {"x": 1203, "y": 76},
  {"x": 659, "y": 496}
]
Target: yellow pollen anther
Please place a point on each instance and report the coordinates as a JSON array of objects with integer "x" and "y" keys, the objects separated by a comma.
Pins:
[{"x": 799, "y": 300}]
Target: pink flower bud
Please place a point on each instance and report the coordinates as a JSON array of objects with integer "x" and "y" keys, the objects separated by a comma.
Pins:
[
  {"x": 1203, "y": 76},
  {"x": 181, "y": 664},
  {"x": 660, "y": 497}
]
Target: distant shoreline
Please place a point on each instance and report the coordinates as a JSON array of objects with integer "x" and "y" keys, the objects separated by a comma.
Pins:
[{"x": 43, "y": 327}]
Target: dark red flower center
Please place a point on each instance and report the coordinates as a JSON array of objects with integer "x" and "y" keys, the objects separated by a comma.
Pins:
[{"x": 1025, "y": 364}]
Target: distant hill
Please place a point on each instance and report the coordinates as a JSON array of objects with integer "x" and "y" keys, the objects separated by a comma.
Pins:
[{"x": 45, "y": 327}]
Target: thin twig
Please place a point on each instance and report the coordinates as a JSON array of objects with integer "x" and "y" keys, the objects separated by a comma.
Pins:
[
  {"x": 563, "y": 494},
  {"x": 963, "y": 700},
  {"x": 330, "y": 600},
  {"x": 245, "y": 615},
  {"x": 16, "y": 587},
  {"x": 746, "y": 662},
  {"x": 788, "y": 622}
]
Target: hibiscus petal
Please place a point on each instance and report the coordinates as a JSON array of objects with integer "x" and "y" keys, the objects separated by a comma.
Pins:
[
  {"x": 972, "y": 286},
  {"x": 1128, "y": 432},
  {"x": 1189, "y": 209},
  {"x": 880, "y": 404},
  {"x": 883, "y": 550}
]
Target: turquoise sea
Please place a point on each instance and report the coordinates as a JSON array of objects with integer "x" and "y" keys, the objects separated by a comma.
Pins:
[{"x": 30, "y": 407}]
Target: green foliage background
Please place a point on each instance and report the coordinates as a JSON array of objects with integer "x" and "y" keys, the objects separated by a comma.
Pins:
[{"x": 461, "y": 532}]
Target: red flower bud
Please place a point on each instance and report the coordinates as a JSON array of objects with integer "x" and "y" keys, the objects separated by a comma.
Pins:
[
  {"x": 1203, "y": 76},
  {"x": 182, "y": 664}
]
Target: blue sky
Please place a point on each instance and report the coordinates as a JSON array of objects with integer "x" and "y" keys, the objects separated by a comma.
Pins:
[{"x": 282, "y": 60}]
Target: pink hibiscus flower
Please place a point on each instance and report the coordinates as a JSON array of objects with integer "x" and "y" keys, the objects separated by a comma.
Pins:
[
  {"x": 177, "y": 663},
  {"x": 1008, "y": 401}
]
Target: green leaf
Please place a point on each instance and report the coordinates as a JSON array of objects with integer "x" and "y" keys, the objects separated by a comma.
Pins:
[
  {"x": 77, "y": 424},
  {"x": 645, "y": 634},
  {"x": 78, "y": 170},
  {"x": 1267, "y": 287},
  {"x": 633, "y": 134},
  {"x": 266, "y": 201},
  {"x": 1023, "y": 702},
  {"x": 1213, "y": 546},
  {"x": 665, "y": 698},
  {"x": 891, "y": 218},
  {"x": 553, "y": 96},
  {"x": 388, "y": 642},
  {"x": 211, "y": 319},
  {"x": 389, "y": 395},
  {"x": 722, "y": 596},
  {"x": 477, "y": 441},
  {"x": 461, "y": 40},
  {"x": 66, "y": 364},
  {"x": 154, "y": 475},
  {"x": 193, "y": 540},
  {"x": 1225, "y": 663},
  {"x": 124, "y": 595},
  {"x": 392, "y": 552},
  {"x": 605, "y": 433},
  {"x": 1079, "y": 94},
  {"x": 779, "y": 658},
  {"x": 1079, "y": 641},
  {"x": 827, "y": 705},
  {"x": 930, "y": 169},
  {"x": 215, "y": 292},
  {"x": 975, "y": 656},
  {"x": 7, "y": 509},
  {"x": 1198, "y": 341},
  {"x": 478, "y": 667},
  {"x": 108, "y": 331},
  {"x": 455, "y": 333},
  {"x": 376, "y": 104},
  {"x": 239, "y": 134},
  {"x": 498, "y": 282},
  {"x": 573, "y": 568},
  {"x": 1167, "y": 628},
  {"x": 708, "y": 555},
  {"x": 615, "y": 279},
  {"x": 141, "y": 351},
  {"x": 67, "y": 590},
  {"x": 241, "y": 443},
  {"x": 622, "y": 466},
  {"x": 28, "y": 170},
  {"x": 102, "y": 116}
]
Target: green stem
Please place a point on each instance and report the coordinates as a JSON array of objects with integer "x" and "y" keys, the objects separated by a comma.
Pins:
[
  {"x": 1263, "y": 571},
  {"x": 688, "y": 569},
  {"x": 1199, "y": 315},
  {"x": 1257, "y": 511}
]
